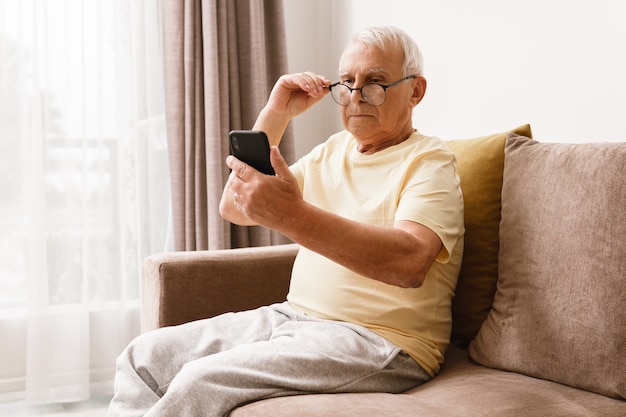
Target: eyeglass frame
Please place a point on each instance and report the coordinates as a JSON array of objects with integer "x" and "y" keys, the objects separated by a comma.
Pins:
[{"x": 360, "y": 89}]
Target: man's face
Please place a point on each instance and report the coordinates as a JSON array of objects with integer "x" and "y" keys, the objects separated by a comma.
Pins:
[{"x": 376, "y": 124}]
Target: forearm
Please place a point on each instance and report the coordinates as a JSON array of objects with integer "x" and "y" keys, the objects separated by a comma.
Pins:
[
  {"x": 273, "y": 124},
  {"x": 388, "y": 254}
]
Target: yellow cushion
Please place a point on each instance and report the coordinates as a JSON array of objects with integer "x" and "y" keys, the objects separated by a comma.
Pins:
[{"x": 480, "y": 166}]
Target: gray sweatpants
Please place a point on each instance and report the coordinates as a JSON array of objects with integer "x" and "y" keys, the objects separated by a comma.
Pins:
[{"x": 208, "y": 367}]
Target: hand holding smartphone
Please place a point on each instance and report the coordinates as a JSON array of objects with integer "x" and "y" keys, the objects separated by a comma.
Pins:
[{"x": 251, "y": 147}]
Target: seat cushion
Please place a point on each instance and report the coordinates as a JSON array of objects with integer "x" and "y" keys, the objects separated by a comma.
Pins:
[
  {"x": 558, "y": 312},
  {"x": 463, "y": 388}
]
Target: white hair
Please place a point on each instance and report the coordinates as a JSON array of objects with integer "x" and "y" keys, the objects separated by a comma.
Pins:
[{"x": 385, "y": 36}]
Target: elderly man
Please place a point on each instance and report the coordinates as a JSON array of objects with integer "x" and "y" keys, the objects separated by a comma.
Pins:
[{"x": 378, "y": 213}]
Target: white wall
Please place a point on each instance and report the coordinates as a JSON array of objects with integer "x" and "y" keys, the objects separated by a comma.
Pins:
[
  {"x": 491, "y": 65},
  {"x": 316, "y": 36}
]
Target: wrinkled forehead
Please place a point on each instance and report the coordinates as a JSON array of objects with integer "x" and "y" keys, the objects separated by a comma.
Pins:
[{"x": 360, "y": 58}]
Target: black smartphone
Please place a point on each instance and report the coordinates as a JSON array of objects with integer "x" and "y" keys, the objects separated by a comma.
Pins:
[{"x": 253, "y": 148}]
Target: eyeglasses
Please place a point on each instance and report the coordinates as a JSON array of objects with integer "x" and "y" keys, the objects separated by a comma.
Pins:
[{"x": 373, "y": 93}]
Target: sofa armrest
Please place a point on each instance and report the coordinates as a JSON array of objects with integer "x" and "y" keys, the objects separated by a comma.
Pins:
[{"x": 178, "y": 287}]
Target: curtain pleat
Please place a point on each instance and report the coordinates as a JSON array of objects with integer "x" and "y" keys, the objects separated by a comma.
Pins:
[{"x": 221, "y": 60}]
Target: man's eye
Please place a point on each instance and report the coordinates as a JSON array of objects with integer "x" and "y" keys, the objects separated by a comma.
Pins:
[{"x": 347, "y": 81}]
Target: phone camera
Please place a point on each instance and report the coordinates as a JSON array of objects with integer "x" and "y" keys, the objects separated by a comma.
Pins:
[{"x": 235, "y": 143}]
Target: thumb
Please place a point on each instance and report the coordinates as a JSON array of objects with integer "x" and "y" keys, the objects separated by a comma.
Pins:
[{"x": 278, "y": 162}]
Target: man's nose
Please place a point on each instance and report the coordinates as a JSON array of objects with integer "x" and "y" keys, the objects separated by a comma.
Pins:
[{"x": 359, "y": 96}]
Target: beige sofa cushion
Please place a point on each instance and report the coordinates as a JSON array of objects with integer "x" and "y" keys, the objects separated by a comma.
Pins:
[
  {"x": 480, "y": 164},
  {"x": 559, "y": 309}
]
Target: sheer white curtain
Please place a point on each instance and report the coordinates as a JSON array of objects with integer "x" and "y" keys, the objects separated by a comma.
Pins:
[{"x": 84, "y": 188}]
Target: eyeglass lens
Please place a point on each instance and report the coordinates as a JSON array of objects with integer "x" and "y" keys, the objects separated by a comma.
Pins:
[{"x": 373, "y": 94}]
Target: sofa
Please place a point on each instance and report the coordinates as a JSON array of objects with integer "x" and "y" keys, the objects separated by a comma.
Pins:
[{"x": 539, "y": 316}]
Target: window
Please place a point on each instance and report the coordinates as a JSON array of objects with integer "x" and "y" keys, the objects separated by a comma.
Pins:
[{"x": 84, "y": 180}]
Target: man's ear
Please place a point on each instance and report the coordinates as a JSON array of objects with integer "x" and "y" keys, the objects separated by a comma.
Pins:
[{"x": 419, "y": 90}]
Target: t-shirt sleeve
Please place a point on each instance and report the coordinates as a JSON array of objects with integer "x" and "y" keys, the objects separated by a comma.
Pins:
[{"x": 432, "y": 197}]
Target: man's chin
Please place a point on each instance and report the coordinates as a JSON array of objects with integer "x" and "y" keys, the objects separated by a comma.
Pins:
[{"x": 361, "y": 129}]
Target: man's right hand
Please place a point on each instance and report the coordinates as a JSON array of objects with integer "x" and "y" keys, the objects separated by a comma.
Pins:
[{"x": 291, "y": 96}]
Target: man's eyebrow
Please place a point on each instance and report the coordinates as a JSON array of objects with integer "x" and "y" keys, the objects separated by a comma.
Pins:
[
  {"x": 376, "y": 71},
  {"x": 369, "y": 72}
]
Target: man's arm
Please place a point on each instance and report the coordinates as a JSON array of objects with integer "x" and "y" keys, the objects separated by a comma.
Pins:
[
  {"x": 292, "y": 95},
  {"x": 399, "y": 256}
]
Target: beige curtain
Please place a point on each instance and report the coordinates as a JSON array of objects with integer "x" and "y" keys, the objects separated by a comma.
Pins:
[{"x": 222, "y": 58}]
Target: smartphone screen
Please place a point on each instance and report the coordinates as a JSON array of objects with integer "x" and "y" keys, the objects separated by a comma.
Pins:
[{"x": 253, "y": 148}]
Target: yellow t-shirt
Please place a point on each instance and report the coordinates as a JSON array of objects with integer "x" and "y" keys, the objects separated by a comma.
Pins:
[{"x": 415, "y": 180}]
